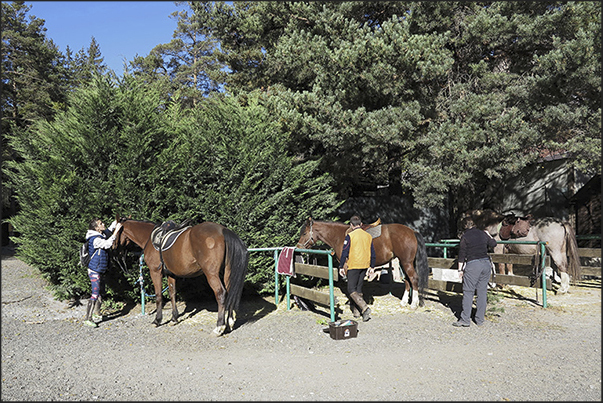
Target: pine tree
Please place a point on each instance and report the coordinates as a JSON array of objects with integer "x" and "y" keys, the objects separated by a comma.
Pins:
[
  {"x": 433, "y": 98},
  {"x": 34, "y": 82},
  {"x": 85, "y": 64},
  {"x": 187, "y": 64}
]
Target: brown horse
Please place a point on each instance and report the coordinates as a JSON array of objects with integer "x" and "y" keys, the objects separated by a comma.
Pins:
[
  {"x": 396, "y": 240},
  {"x": 559, "y": 236},
  {"x": 207, "y": 248}
]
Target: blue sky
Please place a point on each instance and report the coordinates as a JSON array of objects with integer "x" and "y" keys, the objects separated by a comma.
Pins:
[{"x": 121, "y": 28}]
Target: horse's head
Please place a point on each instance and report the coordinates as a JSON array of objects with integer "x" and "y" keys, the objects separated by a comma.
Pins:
[
  {"x": 522, "y": 225},
  {"x": 306, "y": 235},
  {"x": 121, "y": 244},
  {"x": 483, "y": 219},
  {"x": 121, "y": 240}
]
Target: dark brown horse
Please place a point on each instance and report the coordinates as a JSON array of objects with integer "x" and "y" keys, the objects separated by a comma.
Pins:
[
  {"x": 396, "y": 240},
  {"x": 207, "y": 248}
]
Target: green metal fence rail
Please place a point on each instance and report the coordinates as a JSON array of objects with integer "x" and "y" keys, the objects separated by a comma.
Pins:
[
  {"x": 140, "y": 280},
  {"x": 453, "y": 243},
  {"x": 276, "y": 250}
]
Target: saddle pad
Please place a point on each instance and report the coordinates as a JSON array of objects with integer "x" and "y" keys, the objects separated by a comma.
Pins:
[
  {"x": 167, "y": 241},
  {"x": 374, "y": 231}
]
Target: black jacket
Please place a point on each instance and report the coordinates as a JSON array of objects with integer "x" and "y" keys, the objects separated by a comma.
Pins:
[{"x": 474, "y": 245}]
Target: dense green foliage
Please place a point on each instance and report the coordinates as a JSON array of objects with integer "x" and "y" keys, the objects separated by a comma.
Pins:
[
  {"x": 120, "y": 148},
  {"x": 434, "y": 99}
]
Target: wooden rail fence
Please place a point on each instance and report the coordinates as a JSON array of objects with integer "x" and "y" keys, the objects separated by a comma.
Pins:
[
  {"x": 524, "y": 281},
  {"x": 321, "y": 298}
]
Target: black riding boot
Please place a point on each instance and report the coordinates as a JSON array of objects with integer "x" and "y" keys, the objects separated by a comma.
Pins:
[
  {"x": 87, "y": 320},
  {"x": 96, "y": 311},
  {"x": 354, "y": 307},
  {"x": 364, "y": 308}
]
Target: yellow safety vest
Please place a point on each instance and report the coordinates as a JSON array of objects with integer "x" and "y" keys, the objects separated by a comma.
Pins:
[{"x": 360, "y": 249}]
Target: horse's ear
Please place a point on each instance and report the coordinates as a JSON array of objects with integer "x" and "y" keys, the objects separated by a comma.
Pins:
[{"x": 117, "y": 217}]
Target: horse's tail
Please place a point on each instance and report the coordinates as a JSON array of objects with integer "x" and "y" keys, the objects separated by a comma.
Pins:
[
  {"x": 237, "y": 257},
  {"x": 421, "y": 266},
  {"x": 573, "y": 259}
]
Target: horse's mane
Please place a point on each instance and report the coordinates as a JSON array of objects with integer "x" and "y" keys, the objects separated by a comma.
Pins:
[
  {"x": 483, "y": 218},
  {"x": 124, "y": 219},
  {"x": 305, "y": 225}
]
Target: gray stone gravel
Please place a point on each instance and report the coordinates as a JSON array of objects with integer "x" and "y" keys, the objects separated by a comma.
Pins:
[{"x": 523, "y": 353}]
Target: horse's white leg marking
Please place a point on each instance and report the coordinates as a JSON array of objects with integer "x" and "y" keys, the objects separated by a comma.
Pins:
[
  {"x": 231, "y": 320},
  {"x": 396, "y": 270},
  {"x": 565, "y": 283},
  {"x": 404, "y": 300},
  {"x": 415, "y": 300},
  {"x": 551, "y": 274}
]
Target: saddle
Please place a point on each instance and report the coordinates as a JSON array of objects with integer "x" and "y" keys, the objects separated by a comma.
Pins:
[
  {"x": 164, "y": 235},
  {"x": 374, "y": 228}
]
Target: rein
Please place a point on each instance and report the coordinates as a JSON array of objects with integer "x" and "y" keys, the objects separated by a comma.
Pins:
[{"x": 120, "y": 259}]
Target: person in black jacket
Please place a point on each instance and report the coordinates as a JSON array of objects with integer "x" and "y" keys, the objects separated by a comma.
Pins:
[{"x": 474, "y": 267}]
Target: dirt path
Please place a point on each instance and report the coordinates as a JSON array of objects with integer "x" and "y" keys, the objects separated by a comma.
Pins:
[{"x": 523, "y": 353}]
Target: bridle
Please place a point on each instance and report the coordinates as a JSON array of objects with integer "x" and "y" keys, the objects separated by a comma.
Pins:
[
  {"x": 120, "y": 256},
  {"x": 311, "y": 238}
]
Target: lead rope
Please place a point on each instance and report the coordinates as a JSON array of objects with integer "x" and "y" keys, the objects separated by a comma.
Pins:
[{"x": 140, "y": 280}]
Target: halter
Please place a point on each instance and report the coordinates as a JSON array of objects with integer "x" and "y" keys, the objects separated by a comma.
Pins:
[
  {"x": 311, "y": 239},
  {"x": 120, "y": 259}
]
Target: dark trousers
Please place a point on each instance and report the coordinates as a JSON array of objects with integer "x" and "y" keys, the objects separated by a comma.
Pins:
[
  {"x": 355, "y": 280},
  {"x": 475, "y": 282}
]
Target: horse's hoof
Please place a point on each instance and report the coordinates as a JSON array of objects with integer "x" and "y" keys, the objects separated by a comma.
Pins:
[
  {"x": 219, "y": 330},
  {"x": 562, "y": 291}
]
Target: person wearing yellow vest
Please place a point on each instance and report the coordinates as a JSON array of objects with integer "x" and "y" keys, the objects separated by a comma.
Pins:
[{"x": 359, "y": 253}]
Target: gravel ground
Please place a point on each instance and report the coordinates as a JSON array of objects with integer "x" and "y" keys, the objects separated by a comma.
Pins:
[{"x": 523, "y": 352}]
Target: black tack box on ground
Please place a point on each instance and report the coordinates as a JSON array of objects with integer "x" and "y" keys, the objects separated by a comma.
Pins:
[{"x": 343, "y": 329}]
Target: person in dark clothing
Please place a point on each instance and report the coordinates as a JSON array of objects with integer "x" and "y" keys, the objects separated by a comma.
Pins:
[
  {"x": 474, "y": 267},
  {"x": 99, "y": 239},
  {"x": 359, "y": 252}
]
